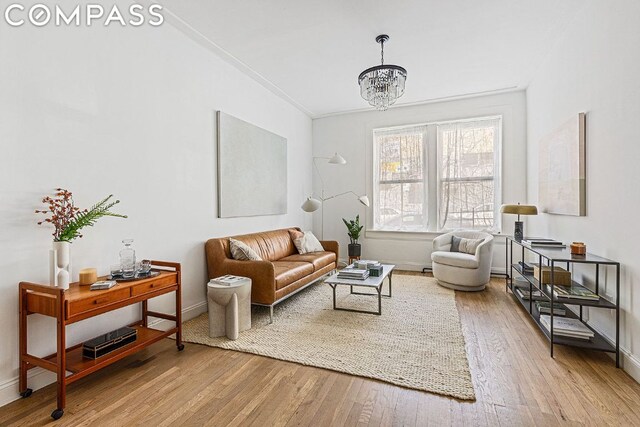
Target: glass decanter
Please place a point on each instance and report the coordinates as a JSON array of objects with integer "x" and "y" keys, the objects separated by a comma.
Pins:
[{"x": 128, "y": 259}]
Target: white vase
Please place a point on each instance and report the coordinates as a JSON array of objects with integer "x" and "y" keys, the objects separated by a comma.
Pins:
[
  {"x": 62, "y": 252},
  {"x": 61, "y": 264}
]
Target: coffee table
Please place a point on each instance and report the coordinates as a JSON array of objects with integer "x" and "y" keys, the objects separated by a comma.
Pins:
[{"x": 371, "y": 282}]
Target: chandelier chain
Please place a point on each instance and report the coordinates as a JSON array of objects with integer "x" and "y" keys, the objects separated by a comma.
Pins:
[{"x": 382, "y": 52}]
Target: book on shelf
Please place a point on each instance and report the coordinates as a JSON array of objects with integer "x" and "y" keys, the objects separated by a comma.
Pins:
[
  {"x": 353, "y": 273},
  {"x": 575, "y": 291},
  {"x": 524, "y": 293},
  {"x": 526, "y": 268},
  {"x": 544, "y": 307},
  {"x": 567, "y": 327},
  {"x": 543, "y": 243}
]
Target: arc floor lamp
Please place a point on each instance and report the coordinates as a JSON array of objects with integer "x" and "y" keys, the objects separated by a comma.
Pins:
[{"x": 312, "y": 204}]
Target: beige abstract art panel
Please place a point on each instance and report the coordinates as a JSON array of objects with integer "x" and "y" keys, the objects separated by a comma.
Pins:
[{"x": 562, "y": 180}]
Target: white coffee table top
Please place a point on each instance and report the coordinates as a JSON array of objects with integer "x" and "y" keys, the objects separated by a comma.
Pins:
[{"x": 371, "y": 281}]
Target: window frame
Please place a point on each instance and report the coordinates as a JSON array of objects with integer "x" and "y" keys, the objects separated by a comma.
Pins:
[{"x": 431, "y": 174}]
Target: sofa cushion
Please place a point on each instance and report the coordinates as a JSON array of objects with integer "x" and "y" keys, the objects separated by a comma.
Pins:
[
  {"x": 467, "y": 246},
  {"x": 307, "y": 243},
  {"x": 242, "y": 252},
  {"x": 455, "y": 259},
  {"x": 270, "y": 245},
  {"x": 317, "y": 259},
  {"x": 287, "y": 272}
]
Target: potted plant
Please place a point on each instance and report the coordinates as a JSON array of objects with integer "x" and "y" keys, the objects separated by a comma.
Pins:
[
  {"x": 353, "y": 231},
  {"x": 68, "y": 220}
]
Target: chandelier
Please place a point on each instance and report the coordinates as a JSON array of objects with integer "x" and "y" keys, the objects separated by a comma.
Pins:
[{"x": 383, "y": 84}]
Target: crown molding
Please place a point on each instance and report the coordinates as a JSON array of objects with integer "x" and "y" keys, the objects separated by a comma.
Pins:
[
  {"x": 428, "y": 101},
  {"x": 187, "y": 29}
]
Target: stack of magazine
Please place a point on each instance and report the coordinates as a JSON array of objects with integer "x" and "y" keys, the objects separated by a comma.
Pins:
[
  {"x": 543, "y": 243},
  {"x": 353, "y": 273},
  {"x": 544, "y": 307},
  {"x": 567, "y": 327},
  {"x": 575, "y": 292},
  {"x": 522, "y": 288}
]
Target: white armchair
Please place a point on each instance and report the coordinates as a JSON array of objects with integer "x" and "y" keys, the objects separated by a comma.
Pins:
[{"x": 461, "y": 271}]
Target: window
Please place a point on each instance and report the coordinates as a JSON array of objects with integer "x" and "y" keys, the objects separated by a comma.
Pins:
[
  {"x": 401, "y": 191},
  {"x": 438, "y": 176}
]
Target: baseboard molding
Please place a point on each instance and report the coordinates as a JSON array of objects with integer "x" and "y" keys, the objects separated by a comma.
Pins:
[
  {"x": 416, "y": 266},
  {"x": 39, "y": 378}
]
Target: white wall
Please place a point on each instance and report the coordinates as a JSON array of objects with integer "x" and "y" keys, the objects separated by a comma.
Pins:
[
  {"x": 594, "y": 68},
  {"x": 352, "y": 136},
  {"x": 130, "y": 112}
]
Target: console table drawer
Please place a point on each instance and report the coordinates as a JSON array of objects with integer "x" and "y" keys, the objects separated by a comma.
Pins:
[
  {"x": 88, "y": 304},
  {"x": 145, "y": 288}
]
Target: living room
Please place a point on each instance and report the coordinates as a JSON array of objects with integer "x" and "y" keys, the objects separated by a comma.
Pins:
[{"x": 152, "y": 103}]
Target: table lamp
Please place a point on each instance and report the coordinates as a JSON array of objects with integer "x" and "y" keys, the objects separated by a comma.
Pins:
[{"x": 518, "y": 230}]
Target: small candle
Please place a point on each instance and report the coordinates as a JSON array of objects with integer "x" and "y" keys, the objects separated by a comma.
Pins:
[{"x": 88, "y": 276}]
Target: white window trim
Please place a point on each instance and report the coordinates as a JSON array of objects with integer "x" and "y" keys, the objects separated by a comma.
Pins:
[{"x": 432, "y": 176}]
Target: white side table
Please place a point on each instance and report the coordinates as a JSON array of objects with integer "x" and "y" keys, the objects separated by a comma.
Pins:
[{"x": 229, "y": 306}]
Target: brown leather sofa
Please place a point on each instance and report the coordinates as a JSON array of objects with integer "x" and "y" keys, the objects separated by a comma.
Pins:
[{"x": 282, "y": 271}]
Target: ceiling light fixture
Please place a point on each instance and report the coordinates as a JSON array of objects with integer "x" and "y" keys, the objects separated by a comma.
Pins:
[{"x": 383, "y": 84}]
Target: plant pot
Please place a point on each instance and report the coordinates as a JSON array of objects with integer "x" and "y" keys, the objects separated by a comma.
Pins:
[{"x": 355, "y": 249}]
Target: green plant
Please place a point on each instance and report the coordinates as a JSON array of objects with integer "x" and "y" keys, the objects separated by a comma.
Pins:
[
  {"x": 353, "y": 229},
  {"x": 68, "y": 220}
]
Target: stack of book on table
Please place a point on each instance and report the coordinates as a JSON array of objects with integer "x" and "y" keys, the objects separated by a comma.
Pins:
[
  {"x": 544, "y": 307},
  {"x": 543, "y": 243},
  {"x": 567, "y": 327},
  {"x": 365, "y": 264},
  {"x": 574, "y": 292},
  {"x": 353, "y": 273}
]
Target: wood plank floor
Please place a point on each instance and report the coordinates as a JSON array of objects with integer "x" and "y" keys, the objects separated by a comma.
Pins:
[{"x": 516, "y": 383}]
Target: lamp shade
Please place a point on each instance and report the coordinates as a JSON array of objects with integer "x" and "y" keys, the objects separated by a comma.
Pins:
[
  {"x": 337, "y": 159},
  {"x": 364, "y": 200},
  {"x": 311, "y": 205},
  {"x": 519, "y": 209}
]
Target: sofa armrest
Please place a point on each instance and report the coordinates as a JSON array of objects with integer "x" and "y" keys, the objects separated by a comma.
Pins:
[
  {"x": 331, "y": 246},
  {"x": 261, "y": 273}
]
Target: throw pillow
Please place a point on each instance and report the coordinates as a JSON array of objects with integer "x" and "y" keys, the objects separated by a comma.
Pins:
[
  {"x": 242, "y": 252},
  {"x": 455, "y": 244},
  {"x": 295, "y": 234},
  {"x": 467, "y": 246},
  {"x": 308, "y": 243}
]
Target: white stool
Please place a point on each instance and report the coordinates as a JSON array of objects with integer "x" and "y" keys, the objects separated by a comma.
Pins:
[{"x": 229, "y": 307}]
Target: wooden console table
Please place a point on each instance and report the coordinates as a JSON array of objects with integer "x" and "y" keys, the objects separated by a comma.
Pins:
[{"x": 79, "y": 303}]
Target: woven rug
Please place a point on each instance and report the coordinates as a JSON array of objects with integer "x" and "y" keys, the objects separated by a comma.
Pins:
[{"x": 417, "y": 342}]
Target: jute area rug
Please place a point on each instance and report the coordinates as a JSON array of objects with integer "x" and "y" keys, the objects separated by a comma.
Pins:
[{"x": 417, "y": 342}]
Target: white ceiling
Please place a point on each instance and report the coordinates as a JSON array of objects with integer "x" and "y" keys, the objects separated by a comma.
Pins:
[{"x": 313, "y": 50}]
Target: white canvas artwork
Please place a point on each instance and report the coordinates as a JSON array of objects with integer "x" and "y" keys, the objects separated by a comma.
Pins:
[
  {"x": 252, "y": 169},
  {"x": 562, "y": 178}
]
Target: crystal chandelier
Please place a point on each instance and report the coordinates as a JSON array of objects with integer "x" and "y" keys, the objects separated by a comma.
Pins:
[{"x": 383, "y": 84}]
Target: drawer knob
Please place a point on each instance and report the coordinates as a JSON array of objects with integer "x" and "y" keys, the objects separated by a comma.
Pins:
[{"x": 100, "y": 300}]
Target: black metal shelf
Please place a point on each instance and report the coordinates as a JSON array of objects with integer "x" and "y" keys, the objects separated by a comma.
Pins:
[
  {"x": 552, "y": 257},
  {"x": 598, "y": 342},
  {"x": 602, "y": 302}
]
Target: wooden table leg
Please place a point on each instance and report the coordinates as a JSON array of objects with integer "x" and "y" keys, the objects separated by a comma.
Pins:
[
  {"x": 24, "y": 391},
  {"x": 145, "y": 322},
  {"x": 61, "y": 360},
  {"x": 179, "y": 343}
]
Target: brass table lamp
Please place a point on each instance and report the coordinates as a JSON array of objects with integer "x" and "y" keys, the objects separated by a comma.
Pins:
[{"x": 518, "y": 230}]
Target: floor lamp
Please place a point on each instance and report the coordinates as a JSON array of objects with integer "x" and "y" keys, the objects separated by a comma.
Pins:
[{"x": 312, "y": 204}]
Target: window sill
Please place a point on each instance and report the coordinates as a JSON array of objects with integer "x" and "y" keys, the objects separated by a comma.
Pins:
[{"x": 410, "y": 235}]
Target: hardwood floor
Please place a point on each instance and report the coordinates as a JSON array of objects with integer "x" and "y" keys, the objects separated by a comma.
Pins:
[{"x": 516, "y": 383}]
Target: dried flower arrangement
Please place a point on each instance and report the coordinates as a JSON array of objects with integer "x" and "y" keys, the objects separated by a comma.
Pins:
[{"x": 68, "y": 219}]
